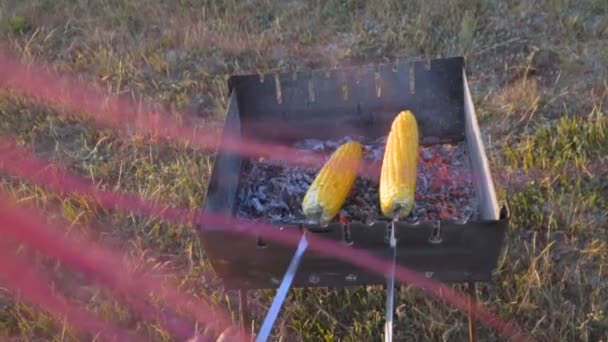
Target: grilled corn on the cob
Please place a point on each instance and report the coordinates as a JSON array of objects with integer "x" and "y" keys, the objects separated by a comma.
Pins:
[
  {"x": 399, "y": 167},
  {"x": 333, "y": 183}
]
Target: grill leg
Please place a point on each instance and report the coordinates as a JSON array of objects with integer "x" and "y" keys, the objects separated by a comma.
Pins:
[
  {"x": 244, "y": 305},
  {"x": 472, "y": 292}
]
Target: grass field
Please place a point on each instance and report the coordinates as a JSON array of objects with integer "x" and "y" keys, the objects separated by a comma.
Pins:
[{"x": 538, "y": 72}]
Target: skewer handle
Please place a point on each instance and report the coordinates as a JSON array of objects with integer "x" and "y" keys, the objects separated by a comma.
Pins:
[
  {"x": 279, "y": 298},
  {"x": 390, "y": 289}
]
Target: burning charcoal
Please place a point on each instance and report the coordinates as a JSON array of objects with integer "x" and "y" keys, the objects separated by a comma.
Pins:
[
  {"x": 286, "y": 186},
  {"x": 261, "y": 195},
  {"x": 318, "y": 148},
  {"x": 275, "y": 220},
  {"x": 345, "y": 140},
  {"x": 427, "y": 155},
  {"x": 375, "y": 154},
  {"x": 411, "y": 219},
  {"x": 286, "y": 195},
  {"x": 381, "y": 140},
  {"x": 307, "y": 178},
  {"x": 277, "y": 184},
  {"x": 276, "y": 204},
  {"x": 332, "y": 145},
  {"x": 257, "y": 205},
  {"x": 293, "y": 188},
  {"x": 243, "y": 195},
  {"x": 311, "y": 144},
  {"x": 423, "y": 183},
  {"x": 419, "y": 211},
  {"x": 303, "y": 185},
  {"x": 467, "y": 212}
]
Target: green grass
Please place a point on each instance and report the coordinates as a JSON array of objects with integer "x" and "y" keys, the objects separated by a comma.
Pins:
[{"x": 544, "y": 120}]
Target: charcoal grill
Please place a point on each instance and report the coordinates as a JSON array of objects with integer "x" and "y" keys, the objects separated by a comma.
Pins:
[{"x": 356, "y": 101}]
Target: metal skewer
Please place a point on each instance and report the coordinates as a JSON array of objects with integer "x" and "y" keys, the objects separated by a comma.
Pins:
[
  {"x": 390, "y": 288},
  {"x": 279, "y": 298}
]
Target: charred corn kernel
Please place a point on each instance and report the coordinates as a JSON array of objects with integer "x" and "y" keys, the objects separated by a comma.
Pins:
[
  {"x": 333, "y": 183},
  {"x": 399, "y": 167}
]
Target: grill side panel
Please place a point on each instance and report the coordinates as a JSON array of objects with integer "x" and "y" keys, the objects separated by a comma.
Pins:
[
  {"x": 223, "y": 247},
  {"x": 484, "y": 185},
  {"x": 467, "y": 253}
]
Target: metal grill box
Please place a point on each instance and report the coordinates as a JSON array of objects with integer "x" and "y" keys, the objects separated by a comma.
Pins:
[{"x": 361, "y": 101}]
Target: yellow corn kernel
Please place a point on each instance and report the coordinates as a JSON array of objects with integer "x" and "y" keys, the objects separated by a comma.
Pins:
[
  {"x": 399, "y": 167},
  {"x": 333, "y": 183}
]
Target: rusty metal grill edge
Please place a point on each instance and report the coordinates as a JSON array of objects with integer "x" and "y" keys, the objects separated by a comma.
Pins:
[{"x": 315, "y": 105}]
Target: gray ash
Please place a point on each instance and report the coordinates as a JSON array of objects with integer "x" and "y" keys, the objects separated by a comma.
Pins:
[{"x": 444, "y": 187}]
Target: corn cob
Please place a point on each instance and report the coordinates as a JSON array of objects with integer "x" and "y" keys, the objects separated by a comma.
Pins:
[
  {"x": 333, "y": 183},
  {"x": 399, "y": 167}
]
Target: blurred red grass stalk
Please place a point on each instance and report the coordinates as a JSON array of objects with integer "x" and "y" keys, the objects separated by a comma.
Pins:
[
  {"x": 122, "y": 114},
  {"x": 23, "y": 279},
  {"x": 30, "y": 229},
  {"x": 22, "y": 163}
]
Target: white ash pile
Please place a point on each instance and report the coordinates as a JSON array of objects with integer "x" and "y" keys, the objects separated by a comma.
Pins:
[{"x": 271, "y": 191}]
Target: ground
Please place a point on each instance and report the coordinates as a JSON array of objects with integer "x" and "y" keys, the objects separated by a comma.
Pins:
[{"x": 537, "y": 71}]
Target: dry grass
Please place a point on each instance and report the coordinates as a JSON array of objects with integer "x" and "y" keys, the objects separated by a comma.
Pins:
[
  {"x": 537, "y": 71},
  {"x": 515, "y": 103}
]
